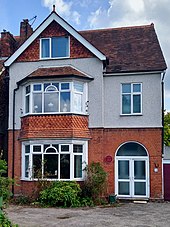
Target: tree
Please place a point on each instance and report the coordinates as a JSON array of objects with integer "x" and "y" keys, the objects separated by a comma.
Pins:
[{"x": 167, "y": 129}]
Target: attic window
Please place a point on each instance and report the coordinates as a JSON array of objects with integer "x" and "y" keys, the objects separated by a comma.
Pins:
[{"x": 55, "y": 47}]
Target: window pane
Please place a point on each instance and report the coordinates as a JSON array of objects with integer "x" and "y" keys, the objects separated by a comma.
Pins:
[
  {"x": 64, "y": 147},
  {"x": 36, "y": 148},
  {"x": 126, "y": 88},
  {"x": 64, "y": 166},
  {"x": 136, "y": 87},
  {"x": 136, "y": 103},
  {"x": 139, "y": 170},
  {"x": 131, "y": 149},
  {"x": 37, "y": 166},
  {"x": 51, "y": 102},
  {"x": 54, "y": 47},
  {"x": 45, "y": 50},
  {"x": 37, "y": 103},
  {"x": 27, "y": 104},
  {"x": 123, "y": 188},
  {"x": 51, "y": 88},
  {"x": 126, "y": 104},
  {"x": 140, "y": 188},
  {"x": 37, "y": 87},
  {"x": 51, "y": 166},
  {"x": 65, "y": 86},
  {"x": 27, "y": 149},
  {"x": 59, "y": 47},
  {"x": 78, "y": 102},
  {"x": 26, "y": 165},
  {"x": 77, "y": 148},
  {"x": 51, "y": 150},
  {"x": 77, "y": 166},
  {"x": 27, "y": 90},
  {"x": 123, "y": 169},
  {"x": 65, "y": 101},
  {"x": 62, "y": 46},
  {"x": 78, "y": 87}
]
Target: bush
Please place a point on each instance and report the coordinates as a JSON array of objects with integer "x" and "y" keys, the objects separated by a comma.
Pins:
[
  {"x": 5, "y": 222},
  {"x": 62, "y": 194},
  {"x": 95, "y": 183},
  {"x": 4, "y": 181}
]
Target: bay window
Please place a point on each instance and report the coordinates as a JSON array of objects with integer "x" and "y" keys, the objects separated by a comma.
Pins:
[
  {"x": 131, "y": 98},
  {"x": 55, "y": 97},
  {"x": 52, "y": 160}
]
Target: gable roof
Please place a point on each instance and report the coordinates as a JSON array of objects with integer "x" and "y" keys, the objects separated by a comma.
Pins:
[
  {"x": 54, "y": 17},
  {"x": 129, "y": 49}
]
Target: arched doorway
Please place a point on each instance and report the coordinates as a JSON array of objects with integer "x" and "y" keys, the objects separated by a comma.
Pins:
[{"x": 132, "y": 171}]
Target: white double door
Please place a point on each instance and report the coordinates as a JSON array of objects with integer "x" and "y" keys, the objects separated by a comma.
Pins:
[{"x": 132, "y": 177}]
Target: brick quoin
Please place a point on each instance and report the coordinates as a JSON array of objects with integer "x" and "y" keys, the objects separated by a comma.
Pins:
[
  {"x": 32, "y": 53},
  {"x": 106, "y": 142},
  {"x": 103, "y": 142}
]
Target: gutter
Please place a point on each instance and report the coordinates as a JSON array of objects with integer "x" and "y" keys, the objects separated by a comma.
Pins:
[
  {"x": 13, "y": 138},
  {"x": 162, "y": 84}
]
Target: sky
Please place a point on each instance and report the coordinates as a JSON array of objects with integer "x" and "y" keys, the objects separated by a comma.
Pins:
[{"x": 91, "y": 14}]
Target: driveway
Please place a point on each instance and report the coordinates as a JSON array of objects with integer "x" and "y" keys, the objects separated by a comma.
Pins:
[{"x": 123, "y": 215}]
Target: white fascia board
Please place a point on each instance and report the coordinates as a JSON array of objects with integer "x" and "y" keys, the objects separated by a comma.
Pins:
[
  {"x": 131, "y": 73},
  {"x": 42, "y": 27}
]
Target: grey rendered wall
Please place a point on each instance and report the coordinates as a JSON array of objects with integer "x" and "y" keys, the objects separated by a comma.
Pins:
[
  {"x": 91, "y": 66},
  {"x": 151, "y": 105}
]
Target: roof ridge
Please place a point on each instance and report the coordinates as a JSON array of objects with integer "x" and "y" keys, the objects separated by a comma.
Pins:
[{"x": 117, "y": 28}]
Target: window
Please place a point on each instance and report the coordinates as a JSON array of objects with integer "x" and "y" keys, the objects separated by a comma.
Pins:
[
  {"x": 54, "y": 161},
  {"x": 55, "y": 47},
  {"x": 55, "y": 97},
  {"x": 132, "y": 98}
]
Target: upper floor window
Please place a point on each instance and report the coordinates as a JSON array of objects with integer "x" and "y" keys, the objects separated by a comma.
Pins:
[
  {"x": 55, "y": 97},
  {"x": 55, "y": 47},
  {"x": 132, "y": 98}
]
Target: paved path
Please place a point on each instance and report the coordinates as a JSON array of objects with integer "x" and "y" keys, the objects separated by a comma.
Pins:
[{"x": 125, "y": 215}]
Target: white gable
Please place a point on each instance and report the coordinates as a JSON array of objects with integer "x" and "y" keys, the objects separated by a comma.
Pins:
[{"x": 54, "y": 17}]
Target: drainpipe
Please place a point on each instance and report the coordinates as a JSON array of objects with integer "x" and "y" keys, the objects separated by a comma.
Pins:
[
  {"x": 162, "y": 83},
  {"x": 13, "y": 137}
]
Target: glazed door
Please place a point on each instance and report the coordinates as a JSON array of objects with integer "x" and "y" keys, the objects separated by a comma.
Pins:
[{"x": 132, "y": 177}]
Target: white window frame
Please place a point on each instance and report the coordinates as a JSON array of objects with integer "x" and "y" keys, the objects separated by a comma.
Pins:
[
  {"x": 50, "y": 48},
  {"x": 71, "y": 90},
  {"x": 131, "y": 94},
  {"x": 59, "y": 142}
]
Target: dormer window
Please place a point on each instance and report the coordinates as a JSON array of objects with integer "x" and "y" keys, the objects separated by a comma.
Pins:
[{"x": 55, "y": 47}]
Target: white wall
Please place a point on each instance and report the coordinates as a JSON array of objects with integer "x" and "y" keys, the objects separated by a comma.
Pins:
[{"x": 151, "y": 104}]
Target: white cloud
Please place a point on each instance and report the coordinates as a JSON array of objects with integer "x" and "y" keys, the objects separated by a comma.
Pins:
[{"x": 64, "y": 9}]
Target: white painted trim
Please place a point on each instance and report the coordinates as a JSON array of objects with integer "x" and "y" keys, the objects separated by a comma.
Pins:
[
  {"x": 166, "y": 161},
  {"x": 42, "y": 27},
  {"x": 131, "y": 181},
  {"x": 131, "y": 73}
]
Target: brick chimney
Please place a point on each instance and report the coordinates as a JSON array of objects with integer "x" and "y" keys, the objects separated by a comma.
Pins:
[
  {"x": 7, "y": 44},
  {"x": 25, "y": 30}
]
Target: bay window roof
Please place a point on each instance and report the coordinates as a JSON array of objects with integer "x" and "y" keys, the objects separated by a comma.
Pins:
[{"x": 57, "y": 72}]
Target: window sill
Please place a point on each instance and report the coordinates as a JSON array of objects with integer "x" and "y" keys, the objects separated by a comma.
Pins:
[
  {"x": 56, "y": 58},
  {"x": 66, "y": 113},
  {"x": 32, "y": 180},
  {"x": 129, "y": 115}
]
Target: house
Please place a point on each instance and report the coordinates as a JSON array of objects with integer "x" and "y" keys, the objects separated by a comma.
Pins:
[{"x": 77, "y": 97}]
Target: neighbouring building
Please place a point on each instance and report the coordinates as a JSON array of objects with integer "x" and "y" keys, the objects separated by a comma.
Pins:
[{"x": 82, "y": 96}]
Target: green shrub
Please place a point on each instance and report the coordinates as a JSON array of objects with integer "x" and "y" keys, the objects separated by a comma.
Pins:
[
  {"x": 95, "y": 183},
  {"x": 62, "y": 194},
  {"x": 5, "y": 182},
  {"x": 5, "y": 222}
]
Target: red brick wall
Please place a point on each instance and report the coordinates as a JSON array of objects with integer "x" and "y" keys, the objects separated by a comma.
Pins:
[
  {"x": 54, "y": 126},
  {"x": 106, "y": 142},
  {"x": 32, "y": 53}
]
